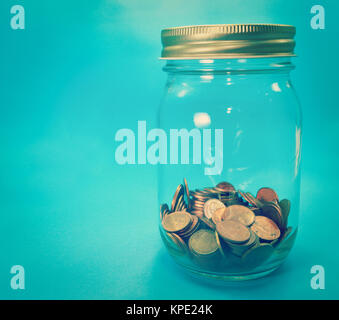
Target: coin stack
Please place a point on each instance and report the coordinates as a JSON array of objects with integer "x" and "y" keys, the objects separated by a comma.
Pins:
[
  {"x": 221, "y": 222},
  {"x": 181, "y": 223}
]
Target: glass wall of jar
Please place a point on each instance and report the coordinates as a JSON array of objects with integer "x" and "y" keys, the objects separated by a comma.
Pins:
[{"x": 229, "y": 194}]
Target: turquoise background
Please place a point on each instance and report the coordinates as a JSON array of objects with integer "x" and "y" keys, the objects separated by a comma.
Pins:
[{"x": 84, "y": 227}]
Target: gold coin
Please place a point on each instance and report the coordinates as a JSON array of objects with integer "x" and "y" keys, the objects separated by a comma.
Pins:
[
  {"x": 265, "y": 228},
  {"x": 257, "y": 255},
  {"x": 176, "y": 221},
  {"x": 233, "y": 231},
  {"x": 218, "y": 215},
  {"x": 212, "y": 205},
  {"x": 203, "y": 242},
  {"x": 177, "y": 194},
  {"x": 267, "y": 194},
  {"x": 239, "y": 213}
]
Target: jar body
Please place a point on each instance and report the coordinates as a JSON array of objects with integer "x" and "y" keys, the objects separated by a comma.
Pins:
[{"x": 252, "y": 104}]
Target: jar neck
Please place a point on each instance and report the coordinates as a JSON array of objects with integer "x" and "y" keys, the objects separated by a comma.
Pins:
[{"x": 230, "y": 66}]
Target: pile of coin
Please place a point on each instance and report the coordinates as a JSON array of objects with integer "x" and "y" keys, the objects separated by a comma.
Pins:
[
  {"x": 220, "y": 222},
  {"x": 223, "y": 191}
]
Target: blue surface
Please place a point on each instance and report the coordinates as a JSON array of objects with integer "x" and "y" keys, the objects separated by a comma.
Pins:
[{"x": 84, "y": 227}]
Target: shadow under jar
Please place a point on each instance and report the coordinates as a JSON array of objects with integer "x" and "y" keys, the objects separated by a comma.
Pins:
[{"x": 229, "y": 187}]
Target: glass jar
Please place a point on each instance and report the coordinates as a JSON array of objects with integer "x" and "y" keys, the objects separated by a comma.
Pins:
[{"x": 229, "y": 190}]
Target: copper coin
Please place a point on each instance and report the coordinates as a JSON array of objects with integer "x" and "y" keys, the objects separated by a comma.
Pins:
[
  {"x": 226, "y": 187},
  {"x": 251, "y": 241},
  {"x": 253, "y": 201},
  {"x": 265, "y": 228},
  {"x": 218, "y": 215},
  {"x": 197, "y": 203},
  {"x": 192, "y": 228},
  {"x": 272, "y": 211},
  {"x": 199, "y": 198},
  {"x": 176, "y": 221},
  {"x": 267, "y": 194},
  {"x": 239, "y": 248},
  {"x": 199, "y": 214},
  {"x": 240, "y": 214},
  {"x": 233, "y": 231},
  {"x": 197, "y": 206},
  {"x": 173, "y": 244},
  {"x": 178, "y": 192},
  {"x": 163, "y": 210},
  {"x": 182, "y": 204},
  {"x": 243, "y": 194},
  {"x": 212, "y": 205},
  {"x": 179, "y": 242},
  {"x": 177, "y": 205},
  {"x": 203, "y": 242},
  {"x": 187, "y": 192}
]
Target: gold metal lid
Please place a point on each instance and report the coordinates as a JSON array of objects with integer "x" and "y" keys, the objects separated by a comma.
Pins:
[{"x": 224, "y": 41}]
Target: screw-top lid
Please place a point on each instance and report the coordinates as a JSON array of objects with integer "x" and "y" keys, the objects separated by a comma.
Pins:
[{"x": 224, "y": 41}]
